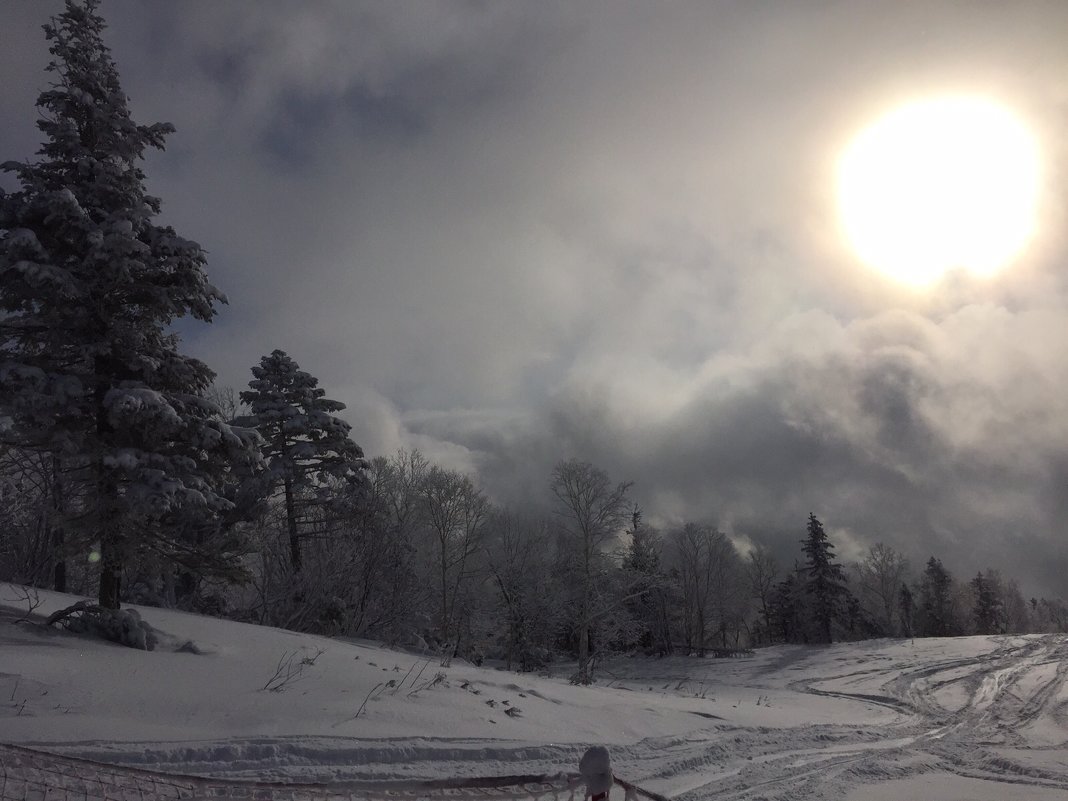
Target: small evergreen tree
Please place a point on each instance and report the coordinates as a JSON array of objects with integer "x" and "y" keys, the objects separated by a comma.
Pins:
[
  {"x": 304, "y": 443},
  {"x": 641, "y": 563},
  {"x": 89, "y": 286},
  {"x": 645, "y": 580},
  {"x": 643, "y": 553},
  {"x": 858, "y": 625},
  {"x": 825, "y": 581},
  {"x": 788, "y": 606}
]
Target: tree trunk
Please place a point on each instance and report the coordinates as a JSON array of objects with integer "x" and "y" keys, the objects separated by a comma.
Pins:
[
  {"x": 107, "y": 496},
  {"x": 110, "y": 573},
  {"x": 291, "y": 520},
  {"x": 584, "y": 623},
  {"x": 59, "y": 574},
  {"x": 456, "y": 645},
  {"x": 59, "y": 568},
  {"x": 664, "y": 625},
  {"x": 170, "y": 588},
  {"x": 584, "y": 654},
  {"x": 444, "y": 594}
]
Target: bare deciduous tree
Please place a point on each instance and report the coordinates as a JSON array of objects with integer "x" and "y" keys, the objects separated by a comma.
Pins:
[
  {"x": 519, "y": 558},
  {"x": 763, "y": 574},
  {"x": 710, "y": 575},
  {"x": 590, "y": 512},
  {"x": 879, "y": 578},
  {"x": 456, "y": 513}
]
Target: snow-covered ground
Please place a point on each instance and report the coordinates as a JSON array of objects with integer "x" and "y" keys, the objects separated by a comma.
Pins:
[{"x": 964, "y": 718}]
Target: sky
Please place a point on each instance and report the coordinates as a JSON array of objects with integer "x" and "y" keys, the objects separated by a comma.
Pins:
[{"x": 508, "y": 234}]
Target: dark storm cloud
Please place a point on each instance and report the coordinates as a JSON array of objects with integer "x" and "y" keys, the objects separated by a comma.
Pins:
[{"x": 511, "y": 233}]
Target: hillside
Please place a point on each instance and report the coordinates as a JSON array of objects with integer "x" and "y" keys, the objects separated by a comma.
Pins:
[{"x": 976, "y": 717}]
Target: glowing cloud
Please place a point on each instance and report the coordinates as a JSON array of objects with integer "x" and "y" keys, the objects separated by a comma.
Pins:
[{"x": 938, "y": 185}]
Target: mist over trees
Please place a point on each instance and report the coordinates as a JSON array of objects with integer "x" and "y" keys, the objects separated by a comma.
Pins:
[{"x": 126, "y": 474}]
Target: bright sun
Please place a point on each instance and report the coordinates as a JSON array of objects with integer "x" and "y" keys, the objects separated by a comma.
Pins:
[{"x": 938, "y": 185}]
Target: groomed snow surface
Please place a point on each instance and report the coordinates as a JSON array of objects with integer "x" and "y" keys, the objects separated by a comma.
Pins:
[{"x": 971, "y": 718}]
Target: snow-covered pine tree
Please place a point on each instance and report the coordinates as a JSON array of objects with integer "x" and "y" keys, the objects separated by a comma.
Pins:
[
  {"x": 304, "y": 443},
  {"x": 825, "y": 582},
  {"x": 89, "y": 286}
]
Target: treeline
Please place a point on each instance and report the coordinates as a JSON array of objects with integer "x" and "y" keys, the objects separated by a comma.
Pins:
[
  {"x": 124, "y": 473},
  {"x": 401, "y": 550},
  {"x": 882, "y": 595}
]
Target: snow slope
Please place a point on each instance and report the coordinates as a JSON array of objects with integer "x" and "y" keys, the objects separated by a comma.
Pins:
[{"x": 962, "y": 718}]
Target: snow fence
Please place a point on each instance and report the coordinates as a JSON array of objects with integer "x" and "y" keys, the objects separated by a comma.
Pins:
[{"x": 30, "y": 775}]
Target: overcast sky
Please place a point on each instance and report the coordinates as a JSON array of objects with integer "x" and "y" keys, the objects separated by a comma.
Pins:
[{"x": 512, "y": 233}]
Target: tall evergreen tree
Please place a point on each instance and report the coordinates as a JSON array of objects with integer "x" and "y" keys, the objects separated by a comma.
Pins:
[
  {"x": 825, "y": 582},
  {"x": 89, "y": 286},
  {"x": 936, "y": 601},
  {"x": 988, "y": 609},
  {"x": 305, "y": 444}
]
